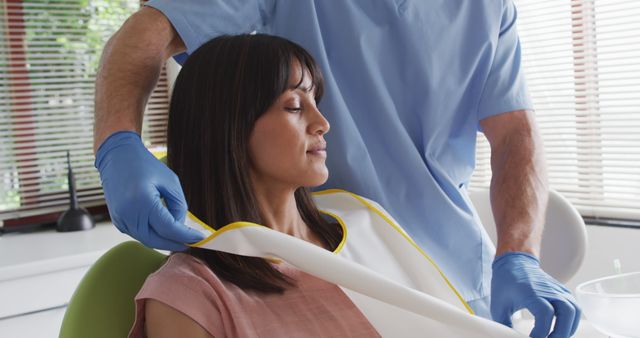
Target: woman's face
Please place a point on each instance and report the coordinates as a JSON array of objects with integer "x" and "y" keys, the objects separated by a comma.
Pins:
[{"x": 287, "y": 146}]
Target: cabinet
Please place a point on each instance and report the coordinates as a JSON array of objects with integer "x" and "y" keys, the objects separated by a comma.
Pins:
[{"x": 39, "y": 272}]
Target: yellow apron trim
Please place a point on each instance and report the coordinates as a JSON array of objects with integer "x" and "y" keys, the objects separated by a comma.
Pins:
[
  {"x": 398, "y": 229},
  {"x": 197, "y": 220},
  {"x": 236, "y": 225},
  {"x": 344, "y": 230},
  {"x": 159, "y": 154},
  {"x": 228, "y": 227}
]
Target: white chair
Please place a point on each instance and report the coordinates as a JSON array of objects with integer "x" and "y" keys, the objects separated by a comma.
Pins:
[{"x": 564, "y": 239}]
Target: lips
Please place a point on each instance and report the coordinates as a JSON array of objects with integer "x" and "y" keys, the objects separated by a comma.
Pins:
[{"x": 318, "y": 147}]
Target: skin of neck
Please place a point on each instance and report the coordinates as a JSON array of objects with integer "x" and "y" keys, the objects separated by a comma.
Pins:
[{"x": 278, "y": 208}]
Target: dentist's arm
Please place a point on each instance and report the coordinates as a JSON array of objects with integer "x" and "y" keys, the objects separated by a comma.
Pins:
[
  {"x": 519, "y": 189},
  {"x": 519, "y": 196},
  {"x": 129, "y": 68},
  {"x": 132, "y": 178}
]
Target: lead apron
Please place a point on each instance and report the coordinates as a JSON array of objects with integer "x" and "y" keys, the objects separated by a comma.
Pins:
[{"x": 388, "y": 277}]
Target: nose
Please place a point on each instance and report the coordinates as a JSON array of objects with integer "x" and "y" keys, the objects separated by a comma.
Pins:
[{"x": 319, "y": 124}]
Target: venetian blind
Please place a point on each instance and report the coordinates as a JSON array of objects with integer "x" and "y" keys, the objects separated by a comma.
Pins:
[
  {"x": 49, "y": 53},
  {"x": 582, "y": 63}
]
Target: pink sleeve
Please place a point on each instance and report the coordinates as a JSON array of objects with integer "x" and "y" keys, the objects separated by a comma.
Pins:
[{"x": 181, "y": 285}]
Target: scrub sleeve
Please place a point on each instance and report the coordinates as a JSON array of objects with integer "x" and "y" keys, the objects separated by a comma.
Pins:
[
  {"x": 200, "y": 21},
  {"x": 505, "y": 89}
]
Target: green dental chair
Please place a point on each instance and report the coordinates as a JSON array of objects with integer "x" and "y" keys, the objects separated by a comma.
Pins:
[{"x": 102, "y": 305}]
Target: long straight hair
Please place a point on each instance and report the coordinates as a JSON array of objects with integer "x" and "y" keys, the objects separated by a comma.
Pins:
[{"x": 222, "y": 89}]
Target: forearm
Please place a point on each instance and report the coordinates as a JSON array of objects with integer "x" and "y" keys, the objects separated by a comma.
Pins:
[
  {"x": 129, "y": 68},
  {"x": 519, "y": 190}
]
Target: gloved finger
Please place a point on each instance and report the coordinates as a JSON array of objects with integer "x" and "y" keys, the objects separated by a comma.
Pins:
[
  {"x": 120, "y": 225},
  {"x": 161, "y": 220},
  {"x": 543, "y": 312},
  {"x": 503, "y": 317},
  {"x": 174, "y": 197},
  {"x": 562, "y": 287},
  {"x": 565, "y": 315},
  {"x": 155, "y": 241},
  {"x": 569, "y": 298}
]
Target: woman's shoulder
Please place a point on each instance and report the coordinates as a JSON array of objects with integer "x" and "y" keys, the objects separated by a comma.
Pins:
[
  {"x": 182, "y": 267},
  {"x": 183, "y": 275},
  {"x": 186, "y": 285}
]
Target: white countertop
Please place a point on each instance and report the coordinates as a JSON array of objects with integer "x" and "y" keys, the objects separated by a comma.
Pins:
[
  {"x": 27, "y": 254},
  {"x": 41, "y": 270}
]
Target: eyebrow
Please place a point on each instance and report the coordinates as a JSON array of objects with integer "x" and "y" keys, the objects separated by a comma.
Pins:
[{"x": 299, "y": 87}]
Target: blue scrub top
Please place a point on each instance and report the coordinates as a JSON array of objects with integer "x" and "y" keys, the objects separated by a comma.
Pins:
[{"x": 407, "y": 82}]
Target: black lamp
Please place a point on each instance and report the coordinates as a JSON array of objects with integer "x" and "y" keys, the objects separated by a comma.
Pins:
[{"x": 76, "y": 218}]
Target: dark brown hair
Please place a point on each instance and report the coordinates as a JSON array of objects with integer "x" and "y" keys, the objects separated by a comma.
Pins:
[{"x": 222, "y": 89}]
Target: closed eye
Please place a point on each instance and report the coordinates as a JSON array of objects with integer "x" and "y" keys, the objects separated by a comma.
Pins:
[{"x": 293, "y": 109}]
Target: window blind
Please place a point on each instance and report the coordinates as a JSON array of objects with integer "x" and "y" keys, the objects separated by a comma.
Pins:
[
  {"x": 582, "y": 63},
  {"x": 49, "y": 54}
]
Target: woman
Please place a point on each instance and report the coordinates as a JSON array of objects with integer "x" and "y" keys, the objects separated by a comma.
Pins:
[{"x": 245, "y": 137}]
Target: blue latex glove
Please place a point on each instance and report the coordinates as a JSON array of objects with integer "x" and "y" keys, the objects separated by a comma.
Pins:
[
  {"x": 133, "y": 181},
  {"x": 518, "y": 282}
]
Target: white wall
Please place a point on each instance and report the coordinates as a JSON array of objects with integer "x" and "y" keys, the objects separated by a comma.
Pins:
[{"x": 605, "y": 245}]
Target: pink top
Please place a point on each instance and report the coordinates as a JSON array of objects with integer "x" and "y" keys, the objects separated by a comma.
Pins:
[{"x": 314, "y": 308}]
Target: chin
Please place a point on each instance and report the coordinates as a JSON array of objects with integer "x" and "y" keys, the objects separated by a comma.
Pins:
[{"x": 319, "y": 180}]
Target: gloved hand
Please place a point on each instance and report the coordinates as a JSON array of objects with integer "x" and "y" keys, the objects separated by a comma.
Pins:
[
  {"x": 518, "y": 282},
  {"x": 133, "y": 181}
]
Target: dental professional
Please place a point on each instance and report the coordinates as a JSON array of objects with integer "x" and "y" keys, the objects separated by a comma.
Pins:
[{"x": 408, "y": 85}]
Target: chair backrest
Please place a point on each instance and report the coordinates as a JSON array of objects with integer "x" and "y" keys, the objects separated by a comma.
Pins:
[
  {"x": 102, "y": 305},
  {"x": 564, "y": 240}
]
